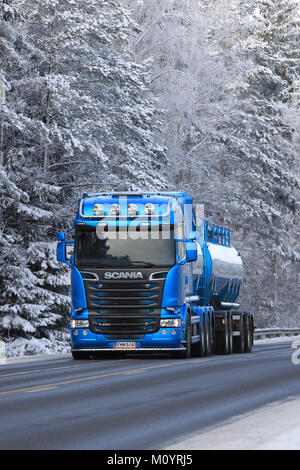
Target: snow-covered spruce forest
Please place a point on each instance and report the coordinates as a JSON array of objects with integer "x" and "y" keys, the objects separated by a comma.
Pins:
[{"x": 201, "y": 96}]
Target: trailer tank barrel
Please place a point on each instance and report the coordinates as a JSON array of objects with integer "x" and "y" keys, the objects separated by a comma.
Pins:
[{"x": 225, "y": 273}]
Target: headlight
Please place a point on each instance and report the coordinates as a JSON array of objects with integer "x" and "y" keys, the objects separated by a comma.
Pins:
[
  {"x": 79, "y": 323},
  {"x": 149, "y": 208},
  {"x": 132, "y": 209},
  {"x": 170, "y": 322},
  {"x": 98, "y": 209}
]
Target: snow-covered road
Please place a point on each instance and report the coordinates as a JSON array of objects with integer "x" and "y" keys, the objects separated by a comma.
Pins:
[{"x": 274, "y": 427}]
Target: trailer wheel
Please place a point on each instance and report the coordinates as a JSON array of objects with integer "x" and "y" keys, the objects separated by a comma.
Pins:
[
  {"x": 239, "y": 341},
  {"x": 213, "y": 336},
  {"x": 248, "y": 334},
  {"x": 230, "y": 335},
  {"x": 81, "y": 354},
  {"x": 222, "y": 339}
]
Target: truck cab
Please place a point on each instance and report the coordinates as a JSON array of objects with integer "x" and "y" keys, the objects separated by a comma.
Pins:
[{"x": 131, "y": 273}]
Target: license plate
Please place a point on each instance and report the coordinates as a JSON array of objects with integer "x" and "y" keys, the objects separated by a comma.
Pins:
[{"x": 124, "y": 345}]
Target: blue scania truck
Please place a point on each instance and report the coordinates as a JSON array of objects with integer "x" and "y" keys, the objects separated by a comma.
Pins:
[{"x": 150, "y": 274}]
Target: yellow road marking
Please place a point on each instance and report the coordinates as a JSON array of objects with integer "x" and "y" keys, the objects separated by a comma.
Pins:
[
  {"x": 123, "y": 372},
  {"x": 94, "y": 377}
]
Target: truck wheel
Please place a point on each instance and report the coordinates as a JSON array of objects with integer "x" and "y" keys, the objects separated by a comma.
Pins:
[
  {"x": 248, "y": 334},
  {"x": 239, "y": 341},
  {"x": 81, "y": 354},
  {"x": 198, "y": 349},
  {"x": 222, "y": 339},
  {"x": 188, "y": 342},
  {"x": 188, "y": 339}
]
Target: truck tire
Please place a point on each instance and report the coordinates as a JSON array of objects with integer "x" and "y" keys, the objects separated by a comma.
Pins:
[
  {"x": 198, "y": 349},
  {"x": 248, "y": 334},
  {"x": 81, "y": 354},
  {"x": 222, "y": 339},
  {"x": 188, "y": 338},
  {"x": 239, "y": 341},
  {"x": 186, "y": 354},
  {"x": 213, "y": 336}
]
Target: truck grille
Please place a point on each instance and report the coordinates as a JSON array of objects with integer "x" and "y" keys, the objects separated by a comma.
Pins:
[
  {"x": 124, "y": 308},
  {"x": 122, "y": 326}
]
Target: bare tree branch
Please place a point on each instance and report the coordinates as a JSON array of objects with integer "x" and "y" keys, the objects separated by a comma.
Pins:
[
  {"x": 165, "y": 72},
  {"x": 196, "y": 146}
]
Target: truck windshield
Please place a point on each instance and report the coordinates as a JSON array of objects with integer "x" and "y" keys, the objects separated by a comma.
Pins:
[{"x": 122, "y": 250}]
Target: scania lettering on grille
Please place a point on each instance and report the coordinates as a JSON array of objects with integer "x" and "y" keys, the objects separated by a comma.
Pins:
[{"x": 123, "y": 275}]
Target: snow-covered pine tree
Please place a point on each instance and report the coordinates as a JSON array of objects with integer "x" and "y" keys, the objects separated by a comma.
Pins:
[
  {"x": 260, "y": 139},
  {"x": 76, "y": 118},
  {"x": 87, "y": 63},
  {"x": 277, "y": 77},
  {"x": 256, "y": 137},
  {"x": 27, "y": 310}
]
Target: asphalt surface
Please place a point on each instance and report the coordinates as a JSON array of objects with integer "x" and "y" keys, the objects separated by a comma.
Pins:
[{"x": 137, "y": 402}]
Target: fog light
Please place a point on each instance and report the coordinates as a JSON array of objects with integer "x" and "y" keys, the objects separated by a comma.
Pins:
[
  {"x": 173, "y": 332},
  {"x": 84, "y": 332},
  {"x": 75, "y": 332},
  {"x": 163, "y": 332}
]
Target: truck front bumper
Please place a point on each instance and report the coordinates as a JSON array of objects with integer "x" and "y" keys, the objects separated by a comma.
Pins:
[
  {"x": 165, "y": 339},
  {"x": 130, "y": 350}
]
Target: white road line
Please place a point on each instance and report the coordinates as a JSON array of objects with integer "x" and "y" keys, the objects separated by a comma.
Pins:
[
  {"x": 74, "y": 366},
  {"x": 40, "y": 389}
]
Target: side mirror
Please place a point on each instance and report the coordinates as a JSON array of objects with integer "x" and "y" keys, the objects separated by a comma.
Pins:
[
  {"x": 191, "y": 246},
  {"x": 61, "y": 252},
  {"x": 191, "y": 251},
  {"x": 61, "y": 236}
]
